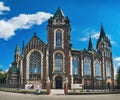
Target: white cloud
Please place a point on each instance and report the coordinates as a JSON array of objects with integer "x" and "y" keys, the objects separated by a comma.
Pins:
[
  {"x": 6, "y": 30},
  {"x": 110, "y": 37},
  {"x": 95, "y": 35},
  {"x": 113, "y": 42},
  {"x": 117, "y": 59},
  {"x": 88, "y": 32},
  {"x": 3, "y": 8},
  {"x": 10, "y": 65},
  {"x": 23, "y": 21},
  {"x": 6, "y": 70},
  {"x": 83, "y": 39},
  {"x": 119, "y": 64}
]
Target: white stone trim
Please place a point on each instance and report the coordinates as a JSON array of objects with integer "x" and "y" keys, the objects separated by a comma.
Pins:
[
  {"x": 82, "y": 67},
  {"x": 27, "y": 63},
  {"x": 55, "y": 37},
  {"x": 54, "y": 60},
  {"x": 21, "y": 71}
]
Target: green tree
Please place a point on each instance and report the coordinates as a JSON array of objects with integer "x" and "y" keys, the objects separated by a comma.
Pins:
[
  {"x": 118, "y": 76},
  {"x": 3, "y": 77}
]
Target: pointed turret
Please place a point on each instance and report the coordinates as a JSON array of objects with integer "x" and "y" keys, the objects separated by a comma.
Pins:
[
  {"x": 103, "y": 37},
  {"x": 102, "y": 33},
  {"x": 17, "y": 49},
  {"x": 90, "y": 46},
  {"x": 17, "y": 54},
  {"x": 59, "y": 13},
  {"x": 59, "y": 18}
]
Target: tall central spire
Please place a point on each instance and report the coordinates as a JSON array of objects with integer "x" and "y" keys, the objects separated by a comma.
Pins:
[
  {"x": 103, "y": 37},
  {"x": 102, "y": 33}
]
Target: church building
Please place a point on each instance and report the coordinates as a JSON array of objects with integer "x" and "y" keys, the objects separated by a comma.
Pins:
[{"x": 56, "y": 60}]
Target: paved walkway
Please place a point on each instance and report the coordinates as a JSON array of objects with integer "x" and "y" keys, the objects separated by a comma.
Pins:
[
  {"x": 57, "y": 92},
  {"x": 19, "y": 96}
]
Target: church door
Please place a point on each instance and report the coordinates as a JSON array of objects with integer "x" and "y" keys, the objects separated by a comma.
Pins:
[{"x": 58, "y": 80}]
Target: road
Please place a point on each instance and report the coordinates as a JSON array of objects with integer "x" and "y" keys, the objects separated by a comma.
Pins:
[{"x": 17, "y": 96}]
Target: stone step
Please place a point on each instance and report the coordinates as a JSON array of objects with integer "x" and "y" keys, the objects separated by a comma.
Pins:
[{"x": 57, "y": 92}]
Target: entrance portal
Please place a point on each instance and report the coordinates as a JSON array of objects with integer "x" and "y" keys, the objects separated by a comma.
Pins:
[{"x": 58, "y": 81}]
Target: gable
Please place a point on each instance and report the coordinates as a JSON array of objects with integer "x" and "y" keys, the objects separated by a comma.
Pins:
[{"x": 35, "y": 43}]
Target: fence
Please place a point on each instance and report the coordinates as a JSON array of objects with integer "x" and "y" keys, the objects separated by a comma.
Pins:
[{"x": 4, "y": 85}]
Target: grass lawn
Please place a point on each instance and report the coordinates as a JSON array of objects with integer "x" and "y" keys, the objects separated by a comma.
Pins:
[{"x": 16, "y": 90}]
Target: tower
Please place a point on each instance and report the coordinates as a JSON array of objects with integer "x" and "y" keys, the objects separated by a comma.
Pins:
[
  {"x": 103, "y": 44},
  {"x": 17, "y": 55},
  {"x": 104, "y": 50},
  {"x": 59, "y": 48}
]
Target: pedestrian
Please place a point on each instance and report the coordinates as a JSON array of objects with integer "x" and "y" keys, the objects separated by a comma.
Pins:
[{"x": 37, "y": 89}]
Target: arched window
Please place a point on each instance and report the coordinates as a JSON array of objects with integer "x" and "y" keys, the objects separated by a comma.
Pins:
[
  {"x": 58, "y": 62},
  {"x": 35, "y": 66},
  {"x": 97, "y": 68},
  {"x": 75, "y": 65},
  {"x": 58, "y": 38},
  {"x": 87, "y": 66},
  {"x": 108, "y": 69}
]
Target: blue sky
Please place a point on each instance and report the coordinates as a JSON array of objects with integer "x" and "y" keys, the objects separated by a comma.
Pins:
[{"x": 19, "y": 19}]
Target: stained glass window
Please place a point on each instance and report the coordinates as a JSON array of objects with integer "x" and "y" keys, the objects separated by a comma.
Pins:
[
  {"x": 87, "y": 67},
  {"x": 97, "y": 68},
  {"x": 58, "y": 38},
  {"x": 108, "y": 69},
  {"x": 58, "y": 62},
  {"x": 75, "y": 65},
  {"x": 35, "y": 65}
]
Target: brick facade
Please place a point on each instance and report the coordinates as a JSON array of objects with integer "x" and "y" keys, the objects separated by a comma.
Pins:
[{"x": 49, "y": 60}]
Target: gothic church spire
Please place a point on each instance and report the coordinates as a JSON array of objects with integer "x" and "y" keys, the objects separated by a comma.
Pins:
[
  {"x": 90, "y": 46},
  {"x": 103, "y": 37},
  {"x": 102, "y": 33}
]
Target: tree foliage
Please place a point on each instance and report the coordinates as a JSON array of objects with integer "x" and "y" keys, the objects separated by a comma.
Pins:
[
  {"x": 3, "y": 77},
  {"x": 118, "y": 76}
]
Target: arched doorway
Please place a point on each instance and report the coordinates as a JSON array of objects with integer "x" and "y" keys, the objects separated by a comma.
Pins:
[
  {"x": 108, "y": 85},
  {"x": 58, "y": 81}
]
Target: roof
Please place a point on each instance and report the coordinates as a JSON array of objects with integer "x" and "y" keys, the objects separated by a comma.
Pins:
[
  {"x": 35, "y": 36},
  {"x": 59, "y": 13},
  {"x": 103, "y": 37},
  {"x": 14, "y": 69}
]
